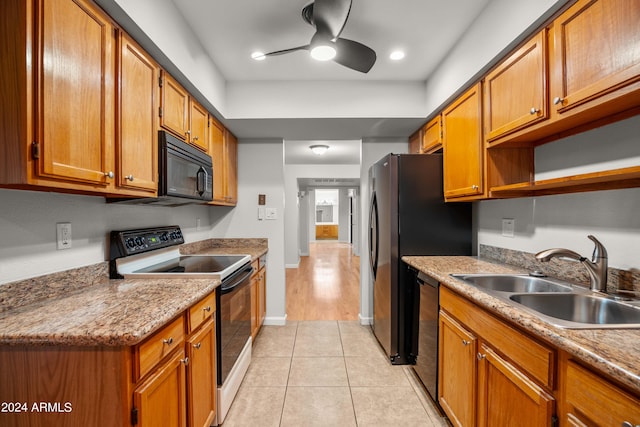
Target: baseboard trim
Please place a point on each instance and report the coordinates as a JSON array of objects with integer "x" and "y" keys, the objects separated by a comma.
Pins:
[
  {"x": 275, "y": 321},
  {"x": 292, "y": 265},
  {"x": 365, "y": 320}
]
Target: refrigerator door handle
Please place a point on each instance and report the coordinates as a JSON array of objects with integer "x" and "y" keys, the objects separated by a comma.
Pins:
[{"x": 374, "y": 234}]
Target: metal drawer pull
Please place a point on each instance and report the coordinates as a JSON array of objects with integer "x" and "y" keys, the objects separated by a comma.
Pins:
[
  {"x": 185, "y": 361},
  {"x": 207, "y": 308},
  {"x": 481, "y": 356},
  {"x": 168, "y": 341},
  {"x": 465, "y": 342},
  {"x": 197, "y": 346}
]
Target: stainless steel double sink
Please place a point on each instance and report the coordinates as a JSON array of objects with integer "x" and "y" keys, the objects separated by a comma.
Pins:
[{"x": 557, "y": 302}]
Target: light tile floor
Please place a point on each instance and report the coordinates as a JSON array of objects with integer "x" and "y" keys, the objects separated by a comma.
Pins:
[{"x": 327, "y": 373}]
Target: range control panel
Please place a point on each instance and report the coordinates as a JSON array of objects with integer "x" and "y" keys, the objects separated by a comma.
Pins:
[{"x": 130, "y": 242}]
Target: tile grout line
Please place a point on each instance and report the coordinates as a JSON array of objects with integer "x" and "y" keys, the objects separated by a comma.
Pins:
[
  {"x": 346, "y": 371},
  {"x": 286, "y": 387}
]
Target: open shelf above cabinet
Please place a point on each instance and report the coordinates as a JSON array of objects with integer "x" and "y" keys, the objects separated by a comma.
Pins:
[{"x": 605, "y": 180}]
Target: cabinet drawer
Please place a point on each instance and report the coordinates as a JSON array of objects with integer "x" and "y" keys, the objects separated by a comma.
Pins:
[
  {"x": 535, "y": 358},
  {"x": 202, "y": 311},
  {"x": 159, "y": 345},
  {"x": 592, "y": 400}
]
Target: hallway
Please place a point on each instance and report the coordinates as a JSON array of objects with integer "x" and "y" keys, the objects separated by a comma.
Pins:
[{"x": 326, "y": 285}]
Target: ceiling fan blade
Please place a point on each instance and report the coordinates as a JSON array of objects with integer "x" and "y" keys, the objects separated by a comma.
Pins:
[
  {"x": 330, "y": 16},
  {"x": 354, "y": 55},
  {"x": 282, "y": 52}
]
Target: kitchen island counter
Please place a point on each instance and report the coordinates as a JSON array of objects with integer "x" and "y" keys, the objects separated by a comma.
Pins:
[{"x": 612, "y": 351}]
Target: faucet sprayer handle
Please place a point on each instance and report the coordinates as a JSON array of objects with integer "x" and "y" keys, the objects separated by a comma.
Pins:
[{"x": 599, "y": 250}]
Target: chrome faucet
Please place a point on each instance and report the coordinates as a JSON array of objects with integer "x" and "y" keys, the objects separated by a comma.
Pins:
[{"x": 597, "y": 267}]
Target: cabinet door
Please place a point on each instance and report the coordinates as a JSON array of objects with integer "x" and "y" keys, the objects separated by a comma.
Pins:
[
  {"x": 161, "y": 399},
  {"x": 255, "y": 305},
  {"x": 199, "y": 125},
  {"x": 432, "y": 136},
  {"x": 137, "y": 142},
  {"x": 595, "y": 51},
  {"x": 201, "y": 376},
  {"x": 506, "y": 397},
  {"x": 174, "y": 106},
  {"x": 463, "y": 147},
  {"x": 231, "y": 147},
  {"x": 456, "y": 371},
  {"x": 75, "y": 92},
  {"x": 593, "y": 401},
  {"x": 515, "y": 93},
  {"x": 262, "y": 309},
  {"x": 217, "y": 152},
  {"x": 415, "y": 143}
]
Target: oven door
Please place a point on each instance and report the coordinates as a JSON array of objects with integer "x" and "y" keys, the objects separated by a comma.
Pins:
[{"x": 233, "y": 319}]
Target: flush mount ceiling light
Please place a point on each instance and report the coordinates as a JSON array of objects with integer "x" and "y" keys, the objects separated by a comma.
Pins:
[{"x": 319, "y": 149}]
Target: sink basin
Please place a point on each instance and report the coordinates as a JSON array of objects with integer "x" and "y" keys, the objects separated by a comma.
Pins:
[
  {"x": 568, "y": 310},
  {"x": 512, "y": 283}
]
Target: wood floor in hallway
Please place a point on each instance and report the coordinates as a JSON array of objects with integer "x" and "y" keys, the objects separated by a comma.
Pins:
[{"x": 326, "y": 285}]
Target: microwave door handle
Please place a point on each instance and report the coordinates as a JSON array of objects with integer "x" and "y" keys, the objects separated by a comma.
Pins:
[{"x": 201, "y": 175}]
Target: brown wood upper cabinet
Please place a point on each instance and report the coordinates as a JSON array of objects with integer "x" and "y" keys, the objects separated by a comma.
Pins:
[
  {"x": 137, "y": 123},
  {"x": 432, "y": 136},
  {"x": 589, "y": 66},
  {"x": 224, "y": 152},
  {"x": 58, "y": 95},
  {"x": 182, "y": 115},
  {"x": 515, "y": 93},
  {"x": 463, "y": 147}
]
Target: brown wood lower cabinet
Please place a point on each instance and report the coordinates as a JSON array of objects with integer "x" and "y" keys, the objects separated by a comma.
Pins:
[
  {"x": 484, "y": 379},
  {"x": 166, "y": 380},
  {"x": 258, "y": 296}
]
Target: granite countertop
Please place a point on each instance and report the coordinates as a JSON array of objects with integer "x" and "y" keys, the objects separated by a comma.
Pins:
[
  {"x": 612, "y": 351},
  {"x": 83, "y": 307}
]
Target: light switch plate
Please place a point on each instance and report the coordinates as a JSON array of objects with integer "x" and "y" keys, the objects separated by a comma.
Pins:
[
  {"x": 508, "y": 227},
  {"x": 271, "y": 213}
]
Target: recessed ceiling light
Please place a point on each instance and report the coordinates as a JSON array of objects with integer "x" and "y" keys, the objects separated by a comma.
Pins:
[
  {"x": 396, "y": 55},
  {"x": 258, "y": 56}
]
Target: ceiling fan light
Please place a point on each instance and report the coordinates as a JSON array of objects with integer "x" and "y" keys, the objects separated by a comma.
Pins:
[
  {"x": 258, "y": 56},
  {"x": 323, "y": 52},
  {"x": 319, "y": 149}
]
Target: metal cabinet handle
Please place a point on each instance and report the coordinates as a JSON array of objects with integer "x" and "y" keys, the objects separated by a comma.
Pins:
[
  {"x": 197, "y": 346},
  {"x": 168, "y": 341},
  {"x": 195, "y": 138},
  {"x": 481, "y": 356},
  {"x": 557, "y": 100},
  {"x": 474, "y": 187},
  {"x": 129, "y": 177},
  {"x": 185, "y": 361},
  {"x": 534, "y": 110},
  {"x": 628, "y": 424},
  {"x": 465, "y": 342},
  {"x": 207, "y": 308},
  {"x": 109, "y": 174}
]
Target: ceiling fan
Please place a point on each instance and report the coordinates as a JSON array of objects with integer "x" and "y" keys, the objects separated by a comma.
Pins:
[{"x": 329, "y": 18}]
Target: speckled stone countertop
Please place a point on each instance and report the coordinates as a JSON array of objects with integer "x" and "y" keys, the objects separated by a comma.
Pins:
[
  {"x": 82, "y": 307},
  {"x": 615, "y": 352}
]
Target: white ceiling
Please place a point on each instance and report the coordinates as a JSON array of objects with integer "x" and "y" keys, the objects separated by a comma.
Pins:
[{"x": 230, "y": 30}]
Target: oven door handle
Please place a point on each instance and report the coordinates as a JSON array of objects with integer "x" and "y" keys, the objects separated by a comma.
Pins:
[{"x": 237, "y": 280}]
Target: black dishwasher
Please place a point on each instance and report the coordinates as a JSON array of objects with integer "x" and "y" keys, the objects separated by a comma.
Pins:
[{"x": 426, "y": 367}]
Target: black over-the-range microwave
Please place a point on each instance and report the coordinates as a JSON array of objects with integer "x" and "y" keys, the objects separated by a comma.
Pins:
[{"x": 185, "y": 175}]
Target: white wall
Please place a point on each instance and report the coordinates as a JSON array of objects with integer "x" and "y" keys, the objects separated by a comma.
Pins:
[
  {"x": 566, "y": 220},
  {"x": 260, "y": 171},
  {"x": 372, "y": 151},
  {"x": 28, "y": 229}
]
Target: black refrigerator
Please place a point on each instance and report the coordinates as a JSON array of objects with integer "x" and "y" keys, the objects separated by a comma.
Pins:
[{"x": 408, "y": 216}]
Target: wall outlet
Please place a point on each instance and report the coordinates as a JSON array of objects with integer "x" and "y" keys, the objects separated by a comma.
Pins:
[
  {"x": 508, "y": 227},
  {"x": 63, "y": 235}
]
